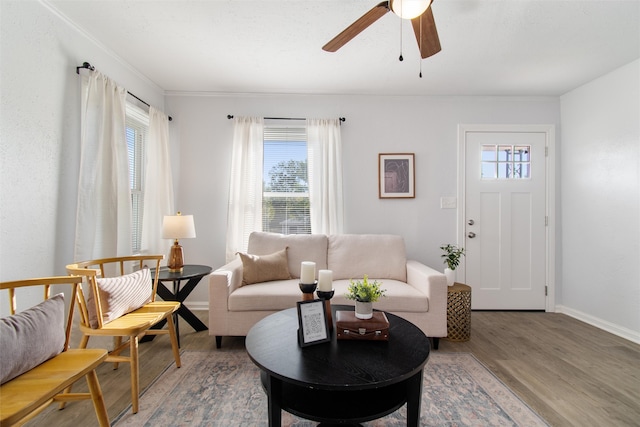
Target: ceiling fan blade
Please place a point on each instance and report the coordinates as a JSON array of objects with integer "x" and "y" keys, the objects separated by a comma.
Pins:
[
  {"x": 357, "y": 27},
  {"x": 424, "y": 26}
]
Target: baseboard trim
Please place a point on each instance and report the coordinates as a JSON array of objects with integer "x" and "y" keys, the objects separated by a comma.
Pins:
[
  {"x": 618, "y": 330},
  {"x": 197, "y": 305}
]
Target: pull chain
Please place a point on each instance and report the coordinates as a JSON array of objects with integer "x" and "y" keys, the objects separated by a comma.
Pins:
[
  {"x": 401, "y": 58},
  {"x": 420, "y": 48}
]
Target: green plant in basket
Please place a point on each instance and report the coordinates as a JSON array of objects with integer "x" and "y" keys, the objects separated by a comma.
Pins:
[{"x": 364, "y": 290}]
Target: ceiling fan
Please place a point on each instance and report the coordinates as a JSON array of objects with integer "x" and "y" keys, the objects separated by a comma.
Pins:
[{"x": 418, "y": 11}]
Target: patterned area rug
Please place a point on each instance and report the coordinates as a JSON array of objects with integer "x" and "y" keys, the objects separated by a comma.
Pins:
[{"x": 223, "y": 389}]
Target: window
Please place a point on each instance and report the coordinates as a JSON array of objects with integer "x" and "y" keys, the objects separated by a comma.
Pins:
[
  {"x": 275, "y": 183},
  {"x": 137, "y": 126},
  {"x": 506, "y": 161},
  {"x": 285, "y": 183}
]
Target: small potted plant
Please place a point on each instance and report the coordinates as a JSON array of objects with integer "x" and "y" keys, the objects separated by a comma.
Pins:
[
  {"x": 365, "y": 293},
  {"x": 452, "y": 255}
]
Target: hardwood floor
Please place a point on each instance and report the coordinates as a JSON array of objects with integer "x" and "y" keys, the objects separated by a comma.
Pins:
[{"x": 569, "y": 372}]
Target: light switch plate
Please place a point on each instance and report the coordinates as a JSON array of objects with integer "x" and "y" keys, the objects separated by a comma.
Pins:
[{"x": 448, "y": 202}]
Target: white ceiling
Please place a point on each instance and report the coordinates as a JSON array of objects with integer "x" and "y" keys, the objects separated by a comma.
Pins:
[{"x": 489, "y": 47}]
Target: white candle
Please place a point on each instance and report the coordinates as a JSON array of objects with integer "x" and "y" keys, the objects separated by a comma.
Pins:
[
  {"x": 307, "y": 272},
  {"x": 325, "y": 280}
]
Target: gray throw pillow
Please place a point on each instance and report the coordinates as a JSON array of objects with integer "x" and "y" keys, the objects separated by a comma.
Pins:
[{"x": 31, "y": 337}]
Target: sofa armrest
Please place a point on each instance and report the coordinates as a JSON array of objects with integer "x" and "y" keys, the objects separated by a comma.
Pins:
[
  {"x": 224, "y": 280},
  {"x": 431, "y": 283}
]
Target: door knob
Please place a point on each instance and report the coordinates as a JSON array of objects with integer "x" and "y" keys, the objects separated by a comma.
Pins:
[
  {"x": 471, "y": 222},
  {"x": 471, "y": 235}
]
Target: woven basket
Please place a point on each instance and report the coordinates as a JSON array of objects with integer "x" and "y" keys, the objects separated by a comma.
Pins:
[{"x": 459, "y": 313}]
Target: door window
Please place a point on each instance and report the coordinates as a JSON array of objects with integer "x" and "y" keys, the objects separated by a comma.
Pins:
[{"x": 506, "y": 161}]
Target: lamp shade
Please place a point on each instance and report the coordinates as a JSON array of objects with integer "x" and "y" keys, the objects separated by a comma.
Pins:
[
  {"x": 178, "y": 227},
  {"x": 409, "y": 9}
]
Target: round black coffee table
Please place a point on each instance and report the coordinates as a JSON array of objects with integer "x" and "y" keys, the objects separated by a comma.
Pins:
[{"x": 339, "y": 381}]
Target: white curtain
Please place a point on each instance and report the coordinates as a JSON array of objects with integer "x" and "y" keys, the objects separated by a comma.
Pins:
[
  {"x": 245, "y": 189},
  {"x": 103, "y": 218},
  {"x": 324, "y": 146},
  {"x": 158, "y": 185}
]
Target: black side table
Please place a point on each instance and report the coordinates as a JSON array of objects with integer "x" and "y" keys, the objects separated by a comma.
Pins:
[{"x": 192, "y": 274}]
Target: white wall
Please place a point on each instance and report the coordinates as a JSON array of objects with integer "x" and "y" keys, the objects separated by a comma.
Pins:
[
  {"x": 39, "y": 135},
  {"x": 601, "y": 201},
  {"x": 426, "y": 126}
]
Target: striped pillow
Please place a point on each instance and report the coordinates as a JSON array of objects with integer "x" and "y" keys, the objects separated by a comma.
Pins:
[{"x": 120, "y": 295}]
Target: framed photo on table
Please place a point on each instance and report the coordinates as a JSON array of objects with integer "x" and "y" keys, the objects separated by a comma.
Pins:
[
  {"x": 312, "y": 322},
  {"x": 396, "y": 176}
]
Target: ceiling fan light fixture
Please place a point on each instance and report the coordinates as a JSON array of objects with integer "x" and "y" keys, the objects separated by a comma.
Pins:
[{"x": 409, "y": 9}]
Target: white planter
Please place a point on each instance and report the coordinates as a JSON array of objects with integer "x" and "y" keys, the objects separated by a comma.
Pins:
[
  {"x": 451, "y": 276},
  {"x": 364, "y": 310}
]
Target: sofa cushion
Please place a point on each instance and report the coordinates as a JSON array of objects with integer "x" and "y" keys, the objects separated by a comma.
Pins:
[
  {"x": 399, "y": 296},
  {"x": 283, "y": 294},
  {"x": 302, "y": 247},
  {"x": 266, "y": 296},
  {"x": 264, "y": 268},
  {"x": 379, "y": 256},
  {"x": 120, "y": 295},
  {"x": 31, "y": 337}
]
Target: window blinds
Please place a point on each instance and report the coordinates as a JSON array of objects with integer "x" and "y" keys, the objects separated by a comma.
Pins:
[
  {"x": 285, "y": 202},
  {"x": 137, "y": 127}
]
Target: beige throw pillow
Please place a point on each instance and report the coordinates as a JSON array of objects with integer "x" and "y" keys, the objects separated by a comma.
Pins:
[
  {"x": 120, "y": 295},
  {"x": 264, "y": 268}
]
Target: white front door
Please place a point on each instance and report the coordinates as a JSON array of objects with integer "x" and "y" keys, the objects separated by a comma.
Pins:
[{"x": 505, "y": 217}]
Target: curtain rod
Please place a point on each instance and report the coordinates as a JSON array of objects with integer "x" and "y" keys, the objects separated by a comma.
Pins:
[
  {"x": 92, "y": 68},
  {"x": 230, "y": 116}
]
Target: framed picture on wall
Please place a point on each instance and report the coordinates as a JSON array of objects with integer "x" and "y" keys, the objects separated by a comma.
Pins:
[{"x": 396, "y": 176}]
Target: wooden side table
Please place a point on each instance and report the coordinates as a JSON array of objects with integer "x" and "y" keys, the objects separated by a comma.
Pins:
[{"x": 458, "y": 312}]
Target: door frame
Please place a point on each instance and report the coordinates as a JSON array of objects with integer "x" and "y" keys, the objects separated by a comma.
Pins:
[{"x": 550, "y": 198}]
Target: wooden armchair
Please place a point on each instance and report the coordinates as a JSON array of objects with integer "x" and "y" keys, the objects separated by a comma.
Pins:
[
  {"x": 35, "y": 347},
  {"x": 126, "y": 308}
]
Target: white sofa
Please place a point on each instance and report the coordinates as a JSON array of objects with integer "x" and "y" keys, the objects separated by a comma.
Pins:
[{"x": 414, "y": 291}]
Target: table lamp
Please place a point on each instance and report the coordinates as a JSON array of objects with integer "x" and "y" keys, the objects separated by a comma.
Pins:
[{"x": 177, "y": 227}]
